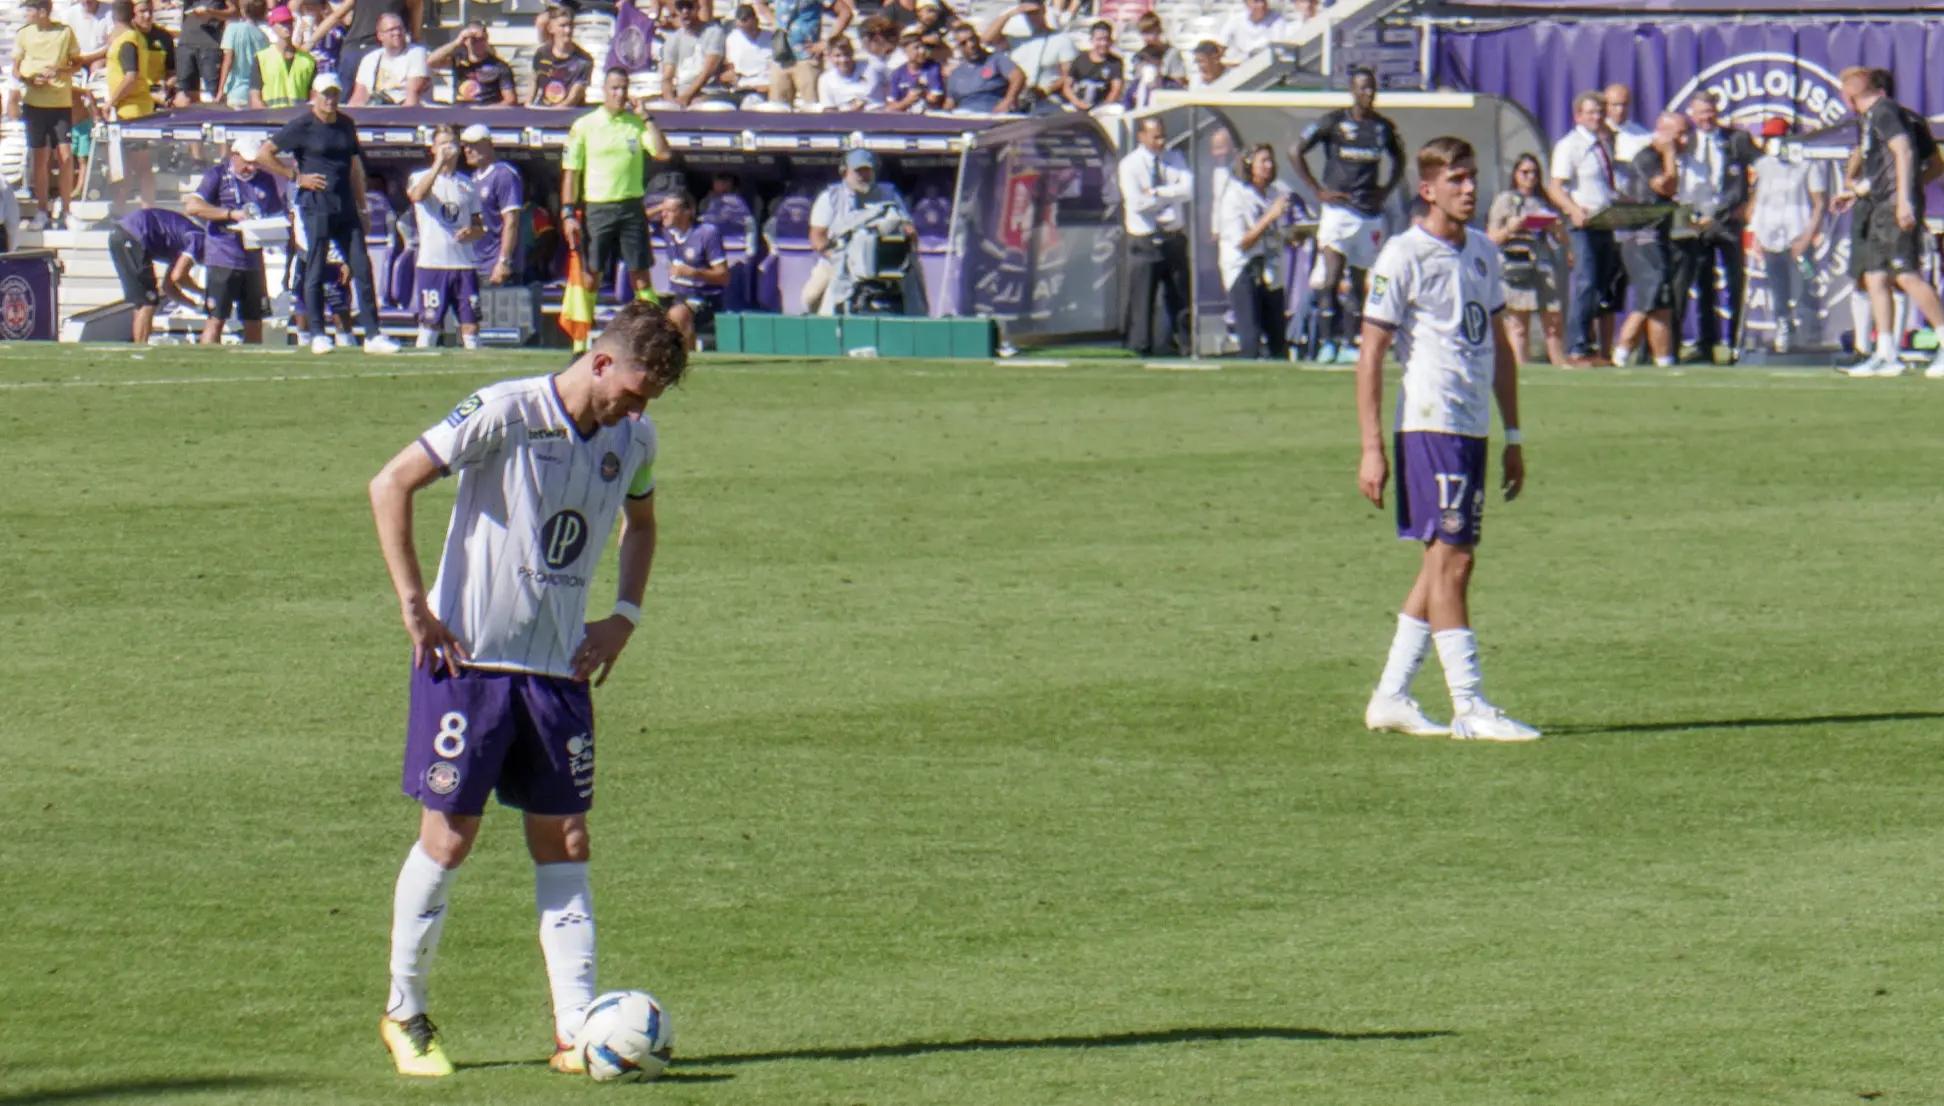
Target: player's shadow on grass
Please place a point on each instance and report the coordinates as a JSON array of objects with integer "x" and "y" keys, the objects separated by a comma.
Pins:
[
  {"x": 1103, "y": 1040},
  {"x": 665, "y": 1077},
  {"x": 1593, "y": 728},
  {"x": 159, "y": 1088}
]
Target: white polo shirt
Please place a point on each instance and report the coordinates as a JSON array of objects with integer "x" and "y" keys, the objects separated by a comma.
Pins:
[{"x": 1586, "y": 165}]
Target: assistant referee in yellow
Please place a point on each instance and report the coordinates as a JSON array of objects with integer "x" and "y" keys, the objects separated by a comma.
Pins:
[{"x": 605, "y": 160}]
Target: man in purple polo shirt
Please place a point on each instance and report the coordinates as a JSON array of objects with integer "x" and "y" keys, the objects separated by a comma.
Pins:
[
  {"x": 141, "y": 240},
  {"x": 233, "y": 192},
  {"x": 502, "y": 197},
  {"x": 699, "y": 270}
]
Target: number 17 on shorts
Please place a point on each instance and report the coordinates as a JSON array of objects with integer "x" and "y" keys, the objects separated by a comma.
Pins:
[{"x": 1440, "y": 487}]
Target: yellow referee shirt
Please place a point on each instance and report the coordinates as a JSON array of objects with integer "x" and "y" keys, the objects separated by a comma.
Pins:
[
  {"x": 607, "y": 151},
  {"x": 50, "y": 51}
]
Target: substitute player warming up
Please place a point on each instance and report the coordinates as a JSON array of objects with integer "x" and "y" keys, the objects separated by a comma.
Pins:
[
  {"x": 1435, "y": 291},
  {"x": 501, "y": 652}
]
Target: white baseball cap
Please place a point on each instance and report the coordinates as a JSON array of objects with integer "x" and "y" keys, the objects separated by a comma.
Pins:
[
  {"x": 476, "y": 133},
  {"x": 327, "y": 82}
]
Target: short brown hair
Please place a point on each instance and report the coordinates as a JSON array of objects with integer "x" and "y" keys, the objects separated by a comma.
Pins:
[
  {"x": 1442, "y": 153},
  {"x": 641, "y": 333},
  {"x": 1149, "y": 23}
]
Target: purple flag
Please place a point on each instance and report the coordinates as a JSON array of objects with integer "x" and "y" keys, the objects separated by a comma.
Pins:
[{"x": 634, "y": 35}]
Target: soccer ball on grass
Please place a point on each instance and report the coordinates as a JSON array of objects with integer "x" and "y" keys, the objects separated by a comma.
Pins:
[{"x": 627, "y": 1037}]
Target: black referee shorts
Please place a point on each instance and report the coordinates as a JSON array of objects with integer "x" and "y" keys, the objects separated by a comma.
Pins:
[
  {"x": 133, "y": 269},
  {"x": 617, "y": 232},
  {"x": 1878, "y": 244}
]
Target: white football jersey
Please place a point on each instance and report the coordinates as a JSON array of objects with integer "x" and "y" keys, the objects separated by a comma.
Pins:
[
  {"x": 537, "y": 502},
  {"x": 444, "y": 212},
  {"x": 1439, "y": 300}
]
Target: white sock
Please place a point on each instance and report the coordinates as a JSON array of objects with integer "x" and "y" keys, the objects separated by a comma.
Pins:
[
  {"x": 1623, "y": 356},
  {"x": 1458, "y": 652},
  {"x": 1665, "y": 361},
  {"x": 1886, "y": 347},
  {"x": 566, "y": 905},
  {"x": 418, "y": 917},
  {"x": 470, "y": 341},
  {"x": 1408, "y": 647},
  {"x": 428, "y": 339},
  {"x": 1860, "y": 320}
]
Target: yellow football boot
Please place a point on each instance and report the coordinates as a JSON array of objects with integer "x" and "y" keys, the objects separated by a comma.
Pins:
[{"x": 414, "y": 1046}]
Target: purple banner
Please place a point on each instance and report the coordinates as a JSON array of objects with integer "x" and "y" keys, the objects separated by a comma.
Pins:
[
  {"x": 1037, "y": 234},
  {"x": 633, "y": 42},
  {"x": 29, "y": 308}
]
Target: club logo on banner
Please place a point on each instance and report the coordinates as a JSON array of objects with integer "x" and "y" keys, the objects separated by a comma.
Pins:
[
  {"x": 1751, "y": 87},
  {"x": 16, "y": 309}
]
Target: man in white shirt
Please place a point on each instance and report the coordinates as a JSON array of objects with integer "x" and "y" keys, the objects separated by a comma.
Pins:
[
  {"x": 1629, "y": 137},
  {"x": 1253, "y": 29},
  {"x": 1581, "y": 185},
  {"x": 445, "y": 276},
  {"x": 93, "y": 22},
  {"x": 845, "y": 85},
  {"x": 1040, "y": 52},
  {"x": 749, "y": 52},
  {"x": 1436, "y": 291},
  {"x": 1789, "y": 200},
  {"x": 692, "y": 59},
  {"x": 503, "y": 653},
  {"x": 1155, "y": 187},
  {"x": 398, "y": 72}
]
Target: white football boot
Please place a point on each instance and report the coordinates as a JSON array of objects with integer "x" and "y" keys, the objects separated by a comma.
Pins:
[
  {"x": 1936, "y": 369},
  {"x": 1481, "y": 721},
  {"x": 321, "y": 344},
  {"x": 1401, "y": 714},
  {"x": 381, "y": 343}
]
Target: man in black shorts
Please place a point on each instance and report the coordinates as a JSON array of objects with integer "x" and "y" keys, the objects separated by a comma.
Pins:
[
  {"x": 199, "y": 51},
  {"x": 138, "y": 243},
  {"x": 1887, "y": 189},
  {"x": 1352, "y": 224},
  {"x": 1653, "y": 175},
  {"x": 46, "y": 56}
]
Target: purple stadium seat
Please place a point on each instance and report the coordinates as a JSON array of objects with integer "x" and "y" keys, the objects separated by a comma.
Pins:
[
  {"x": 398, "y": 279},
  {"x": 931, "y": 213},
  {"x": 782, "y": 273}
]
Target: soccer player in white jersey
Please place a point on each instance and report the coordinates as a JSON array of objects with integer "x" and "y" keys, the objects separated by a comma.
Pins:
[
  {"x": 1435, "y": 292},
  {"x": 501, "y": 652},
  {"x": 446, "y": 208}
]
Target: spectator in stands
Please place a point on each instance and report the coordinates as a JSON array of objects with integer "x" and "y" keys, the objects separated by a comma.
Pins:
[
  {"x": 138, "y": 64},
  {"x": 140, "y": 241},
  {"x": 395, "y": 73},
  {"x": 1249, "y": 252},
  {"x": 1306, "y": 13},
  {"x": 331, "y": 207},
  {"x": 799, "y": 53},
  {"x": 561, "y": 69},
  {"x": 899, "y": 13},
  {"x": 243, "y": 39},
  {"x": 1156, "y": 65},
  {"x": 283, "y": 73},
  {"x": 749, "y": 50},
  {"x": 502, "y": 198},
  {"x": 46, "y": 56},
  {"x": 365, "y": 32},
  {"x": 692, "y": 60},
  {"x": 726, "y": 206},
  {"x": 479, "y": 75},
  {"x": 231, "y": 192},
  {"x": 1155, "y": 187},
  {"x": 878, "y": 37},
  {"x": 1253, "y": 30},
  {"x": 1097, "y": 78},
  {"x": 1788, "y": 204},
  {"x": 320, "y": 32},
  {"x": 918, "y": 84},
  {"x": 92, "y": 23},
  {"x": 1582, "y": 185},
  {"x": 846, "y": 85},
  {"x": 934, "y": 18},
  {"x": 199, "y": 55},
  {"x": 699, "y": 272},
  {"x": 1653, "y": 176},
  {"x": 1209, "y": 66},
  {"x": 983, "y": 81},
  {"x": 1039, "y": 51},
  {"x": 1533, "y": 271},
  {"x": 1629, "y": 137},
  {"x": 1725, "y": 155},
  {"x": 9, "y": 217}
]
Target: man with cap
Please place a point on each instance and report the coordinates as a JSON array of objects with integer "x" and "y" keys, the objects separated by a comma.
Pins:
[
  {"x": 502, "y": 197},
  {"x": 840, "y": 209},
  {"x": 604, "y": 165},
  {"x": 233, "y": 192},
  {"x": 918, "y": 84},
  {"x": 283, "y": 74},
  {"x": 1789, "y": 198},
  {"x": 330, "y": 202},
  {"x": 140, "y": 241},
  {"x": 46, "y": 55}
]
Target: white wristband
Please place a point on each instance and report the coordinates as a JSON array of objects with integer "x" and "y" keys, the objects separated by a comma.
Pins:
[
  {"x": 629, "y": 611},
  {"x": 1512, "y": 436}
]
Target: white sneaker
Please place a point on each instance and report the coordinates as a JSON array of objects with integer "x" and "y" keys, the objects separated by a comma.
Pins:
[
  {"x": 38, "y": 222},
  {"x": 1401, "y": 714},
  {"x": 1936, "y": 370},
  {"x": 322, "y": 343},
  {"x": 381, "y": 343},
  {"x": 1485, "y": 722},
  {"x": 1868, "y": 367}
]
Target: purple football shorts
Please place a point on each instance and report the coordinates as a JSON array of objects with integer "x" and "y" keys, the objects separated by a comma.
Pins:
[
  {"x": 439, "y": 289},
  {"x": 528, "y": 736},
  {"x": 1440, "y": 487}
]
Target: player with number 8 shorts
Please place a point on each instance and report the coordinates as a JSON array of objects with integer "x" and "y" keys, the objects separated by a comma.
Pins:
[
  {"x": 502, "y": 654},
  {"x": 1436, "y": 293}
]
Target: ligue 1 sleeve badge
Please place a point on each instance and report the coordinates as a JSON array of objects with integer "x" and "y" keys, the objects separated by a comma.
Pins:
[{"x": 16, "y": 309}]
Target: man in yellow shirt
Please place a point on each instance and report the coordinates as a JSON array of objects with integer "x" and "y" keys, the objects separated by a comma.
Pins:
[
  {"x": 46, "y": 53},
  {"x": 139, "y": 56},
  {"x": 605, "y": 159}
]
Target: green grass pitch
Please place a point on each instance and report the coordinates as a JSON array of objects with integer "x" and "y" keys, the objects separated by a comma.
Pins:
[{"x": 994, "y": 737}]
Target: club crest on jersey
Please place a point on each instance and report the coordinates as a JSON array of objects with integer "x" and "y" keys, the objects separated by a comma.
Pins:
[
  {"x": 442, "y": 778},
  {"x": 610, "y": 466},
  {"x": 449, "y": 213},
  {"x": 466, "y": 407},
  {"x": 1451, "y": 521},
  {"x": 1478, "y": 265}
]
